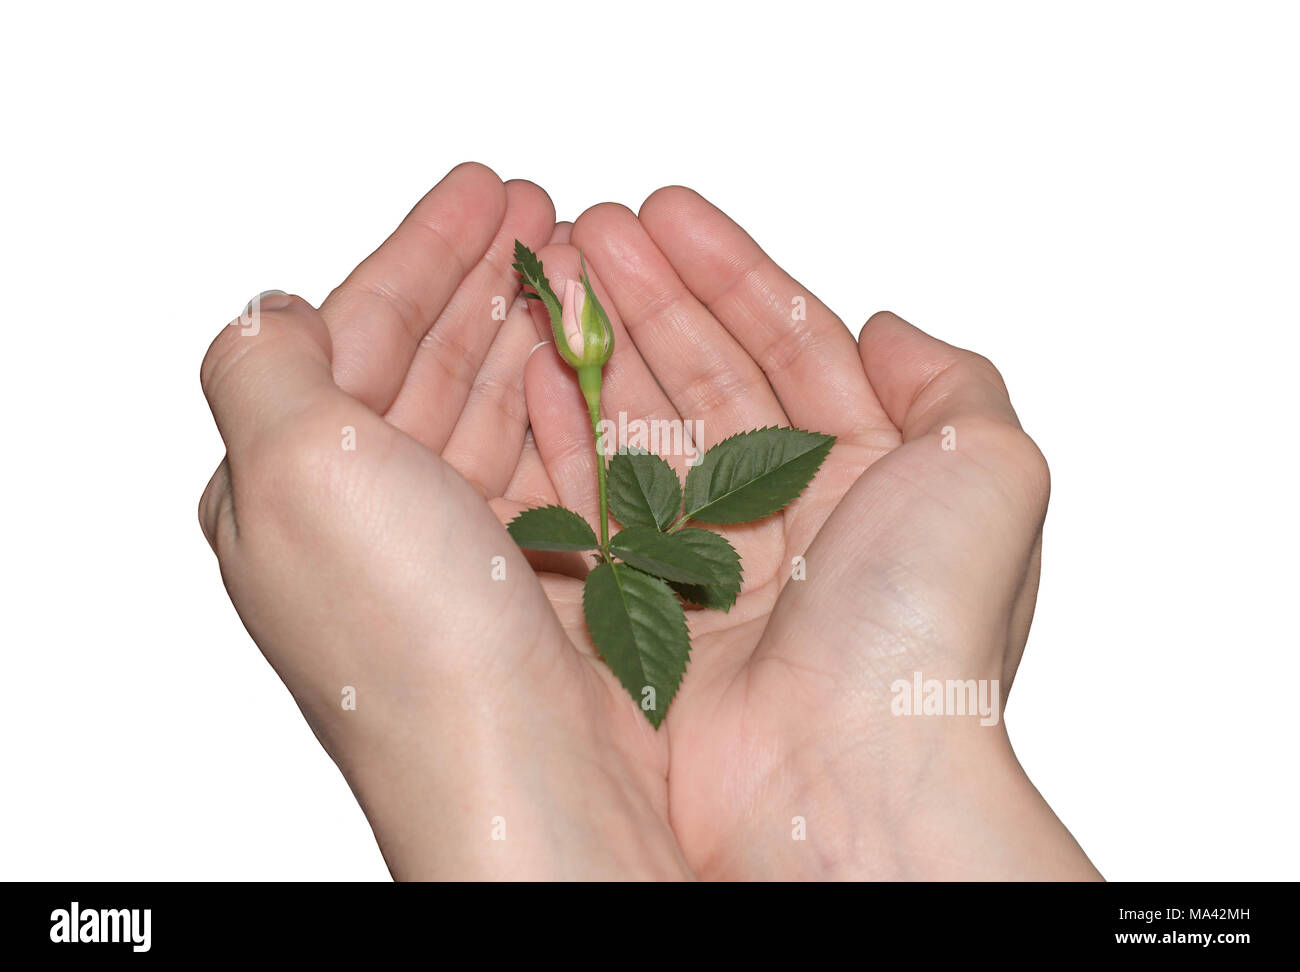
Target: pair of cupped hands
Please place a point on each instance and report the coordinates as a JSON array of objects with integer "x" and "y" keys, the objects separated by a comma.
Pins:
[{"x": 376, "y": 445}]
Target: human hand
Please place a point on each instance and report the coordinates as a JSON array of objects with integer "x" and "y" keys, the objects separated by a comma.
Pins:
[
  {"x": 360, "y": 568},
  {"x": 921, "y": 537},
  {"x": 352, "y": 522}
]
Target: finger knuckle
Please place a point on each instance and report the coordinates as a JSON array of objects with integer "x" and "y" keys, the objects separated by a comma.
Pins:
[
  {"x": 973, "y": 365},
  {"x": 1016, "y": 456},
  {"x": 224, "y": 350},
  {"x": 242, "y": 336},
  {"x": 1032, "y": 464}
]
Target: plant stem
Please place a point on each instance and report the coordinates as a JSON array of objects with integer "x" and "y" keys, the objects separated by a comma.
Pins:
[
  {"x": 589, "y": 381},
  {"x": 679, "y": 524}
]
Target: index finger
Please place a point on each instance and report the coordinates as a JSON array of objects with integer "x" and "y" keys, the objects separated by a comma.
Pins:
[{"x": 379, "y": 314}]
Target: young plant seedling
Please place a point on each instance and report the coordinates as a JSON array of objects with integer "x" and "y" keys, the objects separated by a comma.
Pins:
[{"x": 633, "y": 597}]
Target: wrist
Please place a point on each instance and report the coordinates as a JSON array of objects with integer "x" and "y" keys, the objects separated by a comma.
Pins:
[
  {"x": 935, "y": 799},
  {"x": 514, "y": 793},
  {"x": 950, "y": 801}
]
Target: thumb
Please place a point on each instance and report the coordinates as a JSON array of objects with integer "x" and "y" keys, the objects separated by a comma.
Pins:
[
  {"x": 936, "y": 546},
  {"x": 269, "y": 364},
  {"x": 925, "y": 384}
]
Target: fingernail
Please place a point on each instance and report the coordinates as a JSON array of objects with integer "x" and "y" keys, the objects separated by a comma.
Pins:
[
  {"x": 539, "y": 344},
  {"x": 271, "y": 300}
]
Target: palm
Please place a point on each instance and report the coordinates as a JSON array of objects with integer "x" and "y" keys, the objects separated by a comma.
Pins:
[
  {"x": 460, "y": 397},
  {"x": 704, "y": 332}
]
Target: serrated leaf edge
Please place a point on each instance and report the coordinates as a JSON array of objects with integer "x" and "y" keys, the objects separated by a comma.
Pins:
[
  {"x": 686, "y": 632},
  {"x": 655, "y": 531},
  {"x": 740, "y": 572},
  {"x": 766, "y": 428},
  {"x": 630, "y": 451},
  {"x": 595, "y": 541}
]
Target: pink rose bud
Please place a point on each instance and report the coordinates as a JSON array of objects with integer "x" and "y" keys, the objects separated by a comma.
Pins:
[{"x": 575, "y": 295}]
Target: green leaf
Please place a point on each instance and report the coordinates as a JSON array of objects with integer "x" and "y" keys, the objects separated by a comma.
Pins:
[
  {"x": 724, "y": 570},
  {"x": 552, "y": 528},
  {"x": 661, "y": 554},
  {"x": 530, "y": 268},
  {"x": 754, "y": 474},
  {"x": 638, "y": 626},
  {"x": 643, "y": 489}
]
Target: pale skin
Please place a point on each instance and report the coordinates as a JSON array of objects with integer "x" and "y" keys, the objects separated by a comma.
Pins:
[{"x": 481, "y": 708}]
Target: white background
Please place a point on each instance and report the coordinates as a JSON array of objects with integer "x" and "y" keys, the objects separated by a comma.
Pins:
[{"x": 1102, "y": 198}]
